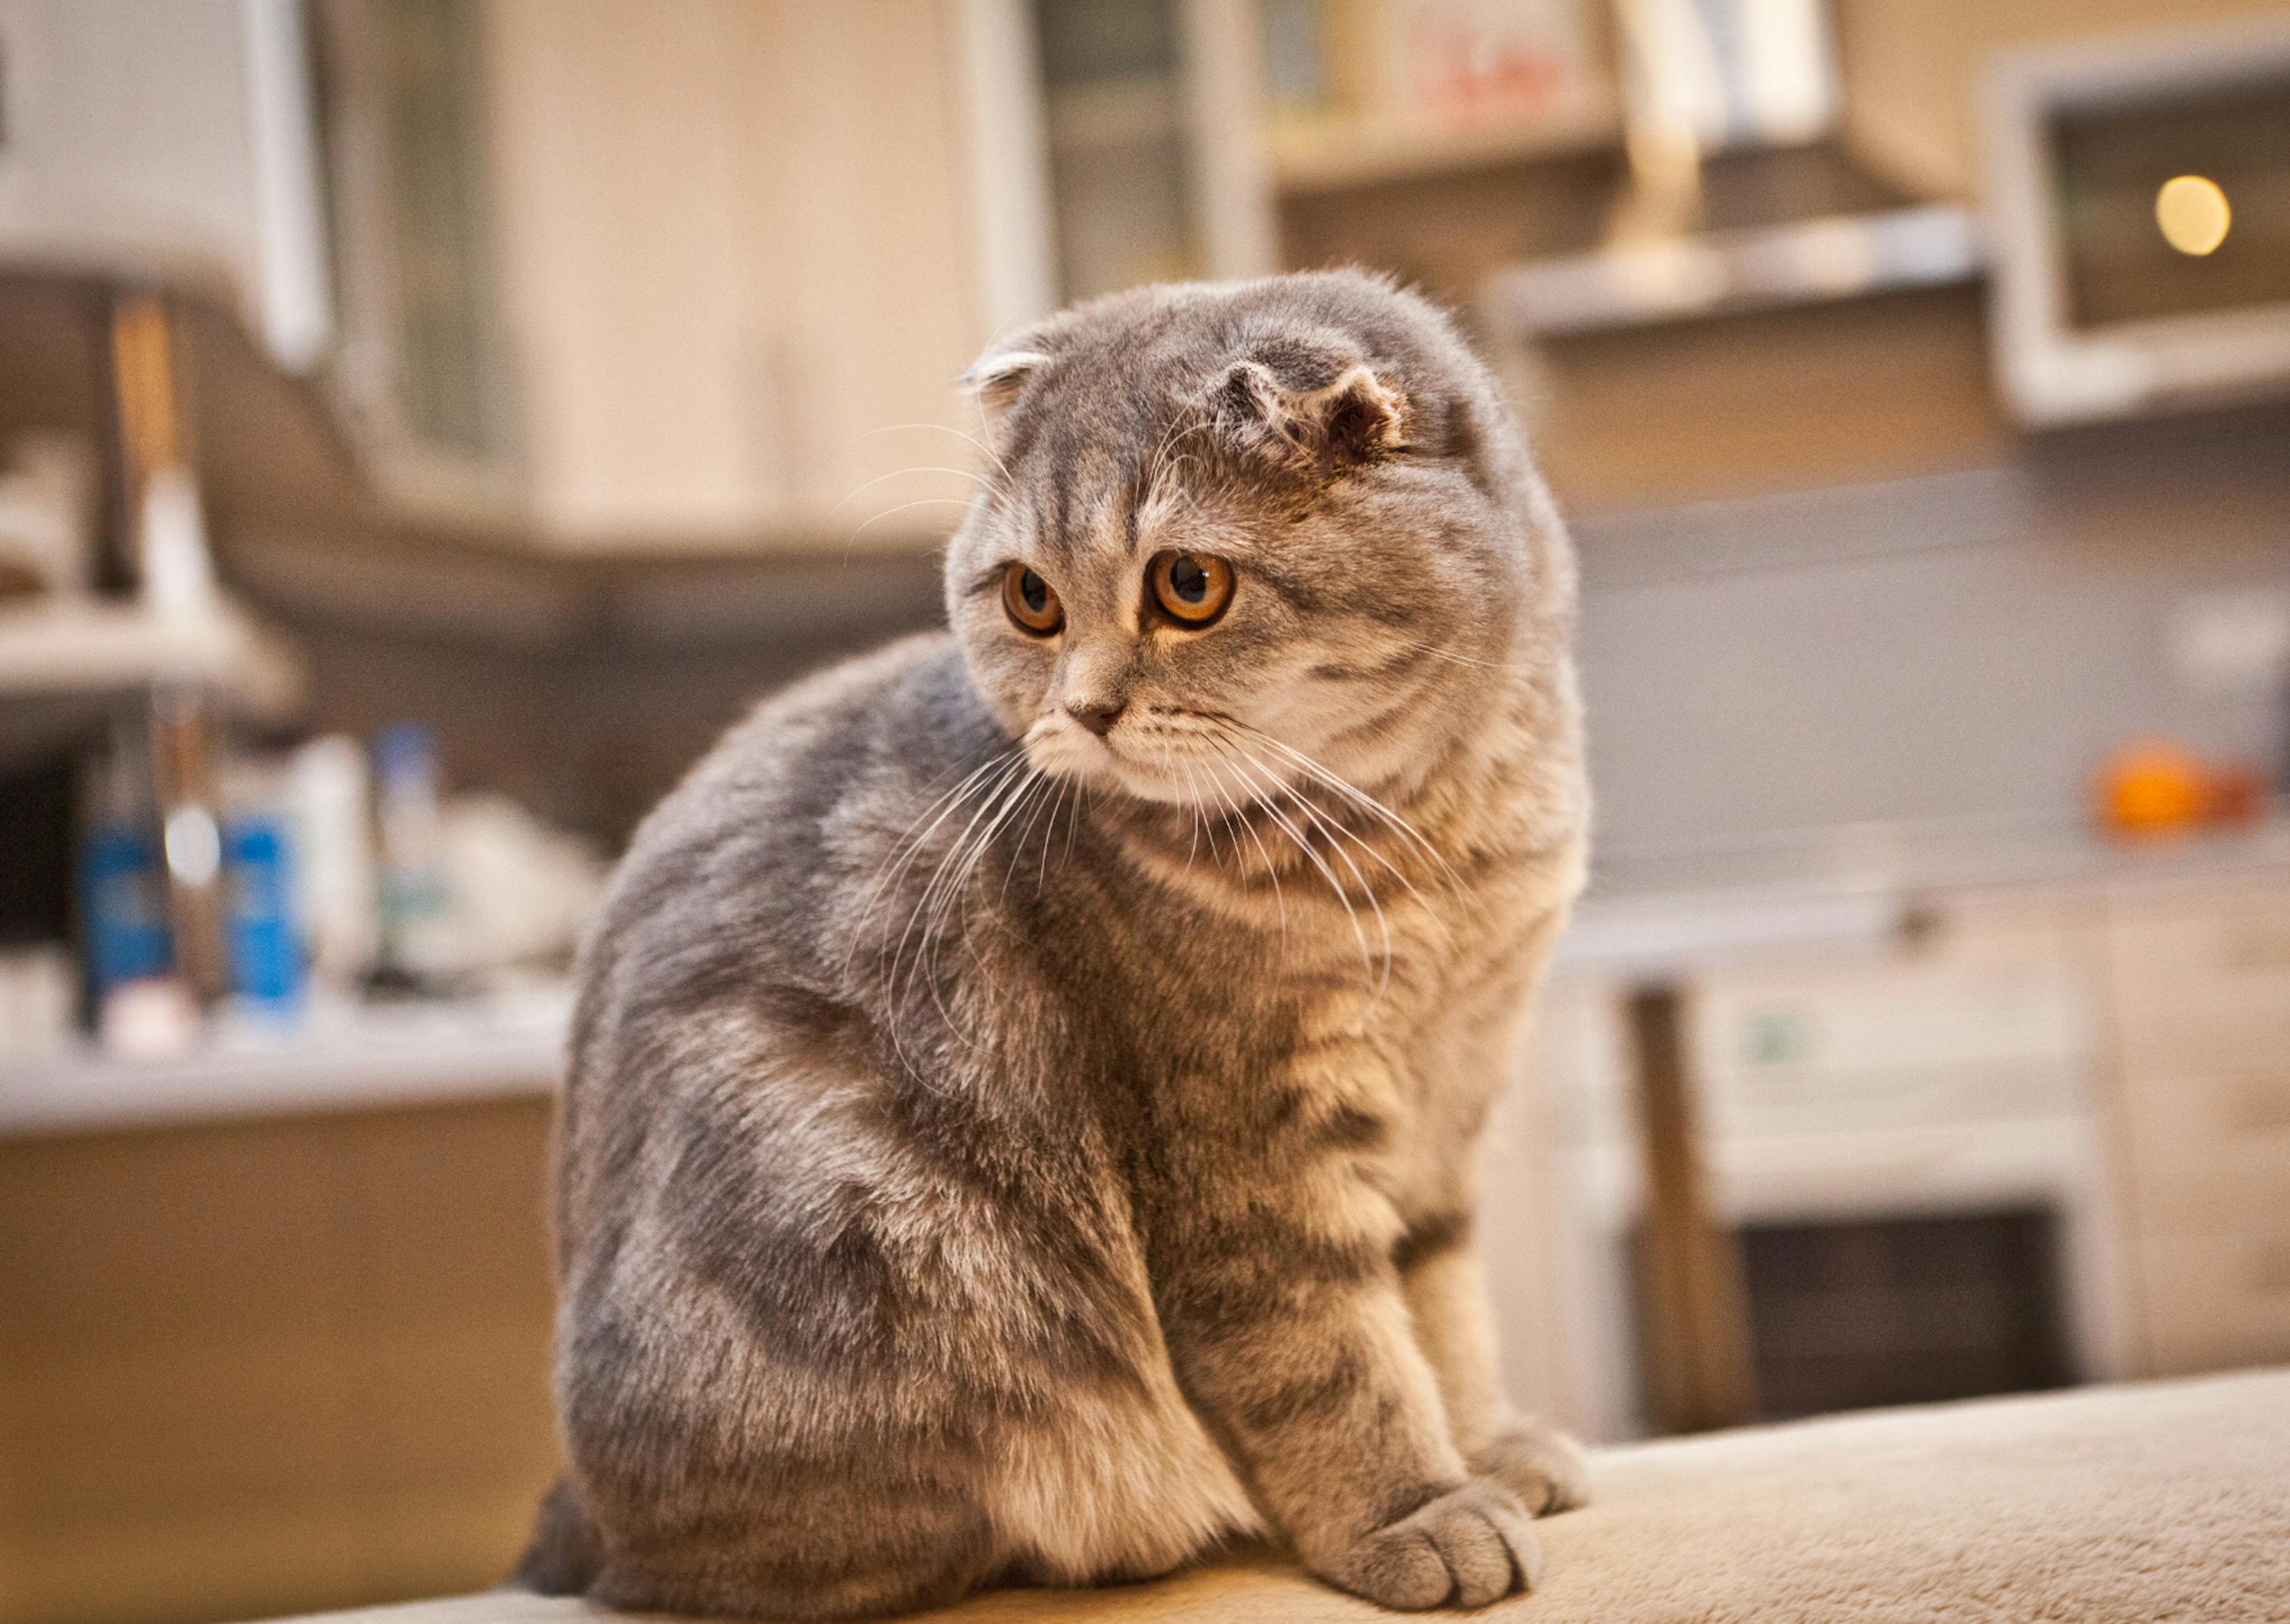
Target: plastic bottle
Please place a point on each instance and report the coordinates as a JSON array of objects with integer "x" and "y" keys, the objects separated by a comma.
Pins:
[
  {"x": 416, "y": 917},
  {"x": 142, "y": 1009},
  {"x": 261, "y": 930},
  {"x": 123, "y": 890},
  {"x": 331, "y": 793}
]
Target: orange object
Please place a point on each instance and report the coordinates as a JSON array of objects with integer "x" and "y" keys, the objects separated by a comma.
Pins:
[{"x": 2153, "y": 789}]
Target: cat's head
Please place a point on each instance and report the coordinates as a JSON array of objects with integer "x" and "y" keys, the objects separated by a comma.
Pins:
[{"x": 1234, "y": 529}]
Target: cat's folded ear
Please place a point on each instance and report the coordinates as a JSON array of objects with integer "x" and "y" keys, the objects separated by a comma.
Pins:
[
  {"x": 997, "y": 378},
  {"x": 1342, "y": 424}
]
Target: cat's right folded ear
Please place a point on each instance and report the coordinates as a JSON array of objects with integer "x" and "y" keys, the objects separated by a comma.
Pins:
[{"x": 997, "y": 378}]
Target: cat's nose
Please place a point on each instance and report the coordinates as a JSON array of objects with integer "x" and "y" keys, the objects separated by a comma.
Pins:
[{"x": 1098, "y": 716}]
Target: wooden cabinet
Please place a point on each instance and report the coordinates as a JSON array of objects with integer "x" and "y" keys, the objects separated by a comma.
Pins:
[
  {"x": 2200, "y": 987},
  {"x": 2111, "y": 1050},
  {"x": 736, "y": 241},
  {"x": 252, "y": 1368},
  {"x": 688, "y": 269}
]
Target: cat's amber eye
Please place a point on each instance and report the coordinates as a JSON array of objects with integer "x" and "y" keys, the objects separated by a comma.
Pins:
[
  {"x": 1030, "y": 601},
  {"x": 1191, "y": 587}
]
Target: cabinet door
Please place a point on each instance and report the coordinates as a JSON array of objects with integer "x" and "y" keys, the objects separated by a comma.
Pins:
[
  {"x": 2201, "y": 987},
  {"x": 735, "y": 251}
]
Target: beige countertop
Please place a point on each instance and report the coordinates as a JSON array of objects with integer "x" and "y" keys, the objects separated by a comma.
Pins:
[
  {"x": 1650, "y": 913},
  {"x": 1646, "y": 914},
  {"x": 356, "y": 1058}
]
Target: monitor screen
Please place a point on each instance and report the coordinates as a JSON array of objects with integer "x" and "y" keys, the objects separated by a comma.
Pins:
[{"x": 2173, "y": 205}]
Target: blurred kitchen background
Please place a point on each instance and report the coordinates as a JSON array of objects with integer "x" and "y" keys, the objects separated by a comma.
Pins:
[{"x": 424, "y": 424}]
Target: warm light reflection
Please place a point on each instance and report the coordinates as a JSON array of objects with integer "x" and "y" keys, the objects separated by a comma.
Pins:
[{"x": 2193, "y": 214}]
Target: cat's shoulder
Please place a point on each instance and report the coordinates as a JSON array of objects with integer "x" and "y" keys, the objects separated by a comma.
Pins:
[
  {"x": 921, "y": 676},
  {"x": 895, "y": 695},
  {"x": 908, "y": 707}
]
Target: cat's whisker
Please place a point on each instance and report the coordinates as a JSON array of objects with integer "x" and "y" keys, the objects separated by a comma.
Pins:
[
  {"x": 1207, "y": 819},
  {"x": 987, "y": 783},
  {"x": 1158, "y": 489},
  {"x": 1303, "y": 846},
  {"x": 1172, "y": 763},
  {"x": 1175, "y": 497},
  {"x": 909, "y": 845},
  {"x": 1012, "y": 765},
  {"x": 946, "y": 881},
  {"x": 1183, "y": 425},
  {"x": 1045, "y": 785},
  {"x": 1030, "y": 793},
  {"x": 1463, "y": 659},
  {"x": 1314, "y": 773},
  {"x": 926, "y": 965},
  {"x": 1173, "y": 464},
  {"x": 918, "y": 835},
  {"x": 1177, "y": 434},
  {"x": 860, "y": 489},
  {"x": 1050, "y": 835},
  {"x": 1354, "y": 793},
  {"x": 1012, "y": 798},
  {"x": 1084, "y": 801},
  {"x": 1236, "y": 805},
  {"x": 1396, "y": 872},
  {"x": 925, "y": 905},
  {"x": 1241, "y": 815},
  {"x": 920, "y": 502},
  {"x": 1335, "y": 832},
  {"x": 926, "y": 822},
  {"x": 1193, "y": 809},
  {"x": 956, "y": 433},
  {"x": 1164, "y": 485}
]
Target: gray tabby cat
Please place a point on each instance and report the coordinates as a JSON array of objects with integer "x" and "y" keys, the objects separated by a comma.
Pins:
[{"x": 1025, "y": 1086}]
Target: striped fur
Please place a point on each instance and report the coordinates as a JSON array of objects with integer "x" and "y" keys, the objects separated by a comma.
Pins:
[{"x": 996, "y": 1153}]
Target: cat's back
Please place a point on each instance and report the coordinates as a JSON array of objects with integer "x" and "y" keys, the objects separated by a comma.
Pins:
[
  {"x": 745, "y": 860},
  {"x": 738, "y": 895}
]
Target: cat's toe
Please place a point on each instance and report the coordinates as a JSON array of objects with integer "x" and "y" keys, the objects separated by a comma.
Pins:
[
  {"x": 1541, "y": 1464},
  {"x": 1469, "y": 1547}
]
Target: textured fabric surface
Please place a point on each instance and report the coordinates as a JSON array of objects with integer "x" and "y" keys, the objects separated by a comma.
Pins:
[{"x": 2131, "y": 1505}]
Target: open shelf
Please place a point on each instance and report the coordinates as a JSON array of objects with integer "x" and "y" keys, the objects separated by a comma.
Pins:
[{"x": 75, "y": 645}]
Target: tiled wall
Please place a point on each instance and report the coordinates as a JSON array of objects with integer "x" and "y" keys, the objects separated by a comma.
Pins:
[{"x": 1961, "y": 646}]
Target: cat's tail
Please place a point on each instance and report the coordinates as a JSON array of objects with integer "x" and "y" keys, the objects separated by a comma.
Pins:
[{"x": 564, "y": 1554}]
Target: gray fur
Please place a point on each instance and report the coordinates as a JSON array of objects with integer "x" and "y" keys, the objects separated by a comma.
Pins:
[{"x": 996, "y": 1153}]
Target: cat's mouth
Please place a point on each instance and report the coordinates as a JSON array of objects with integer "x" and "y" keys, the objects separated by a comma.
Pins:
[{"x": 1173, "y": 758}]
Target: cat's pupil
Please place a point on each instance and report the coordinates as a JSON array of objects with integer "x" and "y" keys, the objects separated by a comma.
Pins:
[
  {"x": 1189, "y": 581},
  {"x": 1034, "y": 589}
]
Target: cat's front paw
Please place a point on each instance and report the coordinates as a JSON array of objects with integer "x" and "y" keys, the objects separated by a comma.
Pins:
[
  {"x": 1541, "y": 1464},
  {"x": 1469, "y": 1547}
]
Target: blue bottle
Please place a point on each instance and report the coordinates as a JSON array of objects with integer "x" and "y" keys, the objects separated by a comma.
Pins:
[
  {"x": 123, "y": 902},
  {"x": 258, "y": 913},
  {"x": 122, "y": 889}
]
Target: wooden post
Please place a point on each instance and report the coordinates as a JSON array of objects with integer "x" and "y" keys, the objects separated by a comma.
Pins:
[
  {"x": 190, "y": 835},
  {"x": 1694, "y": 1313}
]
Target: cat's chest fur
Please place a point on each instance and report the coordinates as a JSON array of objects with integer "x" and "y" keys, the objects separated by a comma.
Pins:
[{"x": 1253, "y": 1028}]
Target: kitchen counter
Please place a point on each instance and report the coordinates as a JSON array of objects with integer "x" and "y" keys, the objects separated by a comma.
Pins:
[
  {"x": 1658, "y": 912},
  {"x": 1646, "y": 914},
  {"x": 359, "y": 1058}
]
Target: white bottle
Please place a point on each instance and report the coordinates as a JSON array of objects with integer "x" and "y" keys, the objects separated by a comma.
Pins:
[
  {"x": 417, "y": 946},
  {"x": 328, "y": 793}
]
